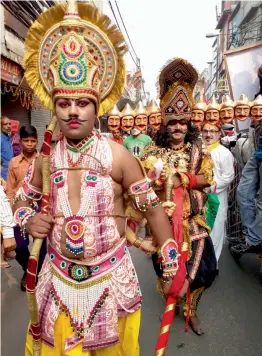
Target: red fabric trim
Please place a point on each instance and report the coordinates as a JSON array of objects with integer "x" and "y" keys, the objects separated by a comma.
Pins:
[
  {"x": 192, "y": 180},
  {"x": 180, "y": 277}
]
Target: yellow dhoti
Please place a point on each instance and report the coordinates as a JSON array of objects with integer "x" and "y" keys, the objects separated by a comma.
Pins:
[{"x": 128, "y": 327}]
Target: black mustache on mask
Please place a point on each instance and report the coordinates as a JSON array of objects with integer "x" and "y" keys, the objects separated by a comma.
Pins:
[{"x": 73, "y": 119}]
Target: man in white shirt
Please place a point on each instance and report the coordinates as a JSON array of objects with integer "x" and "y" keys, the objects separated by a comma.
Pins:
[
  {"x": 223, "y": 176},
  {"x": 6, "y": 226}
]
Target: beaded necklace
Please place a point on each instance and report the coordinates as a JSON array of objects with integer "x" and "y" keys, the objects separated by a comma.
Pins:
[
  {"x": 76, "y": 153},
  {"x": 75, "y": 227}
]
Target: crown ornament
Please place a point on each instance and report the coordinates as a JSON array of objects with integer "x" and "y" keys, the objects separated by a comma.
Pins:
[{"x": 74, "y": 51}]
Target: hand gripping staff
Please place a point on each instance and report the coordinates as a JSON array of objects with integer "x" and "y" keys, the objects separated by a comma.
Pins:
[
  {"x": 180, "y": 276},
  {"x": 33, "y": 260}
]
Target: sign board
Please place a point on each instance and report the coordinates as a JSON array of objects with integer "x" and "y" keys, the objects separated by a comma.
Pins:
[
  {"x": 10, "y": 71},
  {"x": 241, "y": 66}
]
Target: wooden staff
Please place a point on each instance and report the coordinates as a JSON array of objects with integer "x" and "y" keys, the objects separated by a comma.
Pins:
[{"x": 34, "y": 257}]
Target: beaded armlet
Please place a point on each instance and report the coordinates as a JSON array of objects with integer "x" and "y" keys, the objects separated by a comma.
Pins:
[
  {"x": 143, "y": 187},
  {"x": 169, "y": 254},
  {"x": 28, "y": 192}
]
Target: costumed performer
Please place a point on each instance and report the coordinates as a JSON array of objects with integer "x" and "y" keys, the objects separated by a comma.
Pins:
[
  {"x": 154, "y": 120},
  {"x": 138, "y": 141},
  {"x": 127, "y": 120},
  {"x": 198, "y": 114},
  {"x": 88, "y": 297},
  {"x": 181, "y": 170}
]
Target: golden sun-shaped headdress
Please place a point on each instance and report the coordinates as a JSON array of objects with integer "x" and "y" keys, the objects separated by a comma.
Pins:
[{"x": 74, "y": 51}]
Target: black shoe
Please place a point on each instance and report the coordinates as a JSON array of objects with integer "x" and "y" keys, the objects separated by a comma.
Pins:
[
  {"x": 235, "y": 239},
  {"x": 23, "y": 282},
  {"x": 243, "y": 248}
]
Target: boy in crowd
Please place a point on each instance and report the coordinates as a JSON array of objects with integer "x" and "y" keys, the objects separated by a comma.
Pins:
[{"x": 17, "y": 170}]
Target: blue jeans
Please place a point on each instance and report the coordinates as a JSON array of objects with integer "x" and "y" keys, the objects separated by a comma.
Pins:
[{"x": 249, "y": 197}]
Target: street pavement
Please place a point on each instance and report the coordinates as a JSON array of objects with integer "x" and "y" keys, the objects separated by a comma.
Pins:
[{"x": 230, "y": 311}]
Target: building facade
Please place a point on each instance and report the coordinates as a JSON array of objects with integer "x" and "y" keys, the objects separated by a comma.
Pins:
[
  {"x": 17, "y": 99},
  {"x": 239, "y": 23}
]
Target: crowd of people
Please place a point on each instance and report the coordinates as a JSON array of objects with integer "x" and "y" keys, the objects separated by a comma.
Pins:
[{"x": 85, "y": 201}]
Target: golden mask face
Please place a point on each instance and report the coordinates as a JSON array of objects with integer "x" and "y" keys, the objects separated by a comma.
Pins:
[
  {"x": 256, "y": 112},
  {"x": 127, "y": 123},
  {"x": 212, "y": 116},
  {"x": 155, "y": 121},
  {"x": 197, "y": 118},
  {"x": 141, "y": 122},
  {"x": 227, "y": 115},
  {"x": 113, "y": 123},
  {"x": 242, "y": 112}
]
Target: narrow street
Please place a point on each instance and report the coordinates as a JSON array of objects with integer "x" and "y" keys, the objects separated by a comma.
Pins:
[{"x": 231, "y": 312}]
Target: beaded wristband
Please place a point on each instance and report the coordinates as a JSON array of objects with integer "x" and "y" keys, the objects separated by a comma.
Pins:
[
  {"x": 169, "y": 256},
  {"x": 21, "y": 217}
]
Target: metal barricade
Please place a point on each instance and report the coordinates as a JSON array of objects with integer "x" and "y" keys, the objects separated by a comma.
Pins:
[{"x": 234, "y": 226}]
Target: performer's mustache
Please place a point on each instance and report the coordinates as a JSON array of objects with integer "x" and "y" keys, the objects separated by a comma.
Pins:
[
  {"x": 176, "y": 131},
  {"x": 73, "y": 119}
]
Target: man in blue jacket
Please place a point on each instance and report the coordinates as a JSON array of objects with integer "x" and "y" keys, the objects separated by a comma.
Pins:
[{"x": 7, "y": 152}]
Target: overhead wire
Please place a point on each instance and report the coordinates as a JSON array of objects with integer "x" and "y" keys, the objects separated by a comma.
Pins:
[
  {"x": 138, "y": 66},
  {"x": 113, "y": 12},
  {"x": 136, "y": 62}
]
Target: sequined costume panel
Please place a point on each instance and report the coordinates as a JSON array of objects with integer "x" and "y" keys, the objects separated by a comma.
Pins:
[{"x": 101, "y": 232}]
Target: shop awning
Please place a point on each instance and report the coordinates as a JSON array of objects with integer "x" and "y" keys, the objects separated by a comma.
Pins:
[{"x": 13, "y": 48}]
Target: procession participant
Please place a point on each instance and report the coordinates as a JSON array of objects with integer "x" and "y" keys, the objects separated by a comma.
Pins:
[
  {"x": 212, "y": 111},
  {"x": 6, "y": 225},
  {"x": 7, "y": 152},
  {"x": 117, "y": 136},
  {"x": 226, "y": 113},
  {"x": 113, "y": 121},
  {"x": 154, "y": 119},
  {"x": 140, "y": 115},
  {"x": 137, "y": 142},
  {"x": 18, "y": 167},
  {"x": 127, "y": 120},
  {"x": 198, "y": 114},
  {"x": 242, "y": 108},
  {"x": 249, "y": 194},
  {"x": 223, "y": 175},
  {"x": 256, "y": 108},
  {"x": 88, "y": 279},
  {"x": 181, "y": 170}
]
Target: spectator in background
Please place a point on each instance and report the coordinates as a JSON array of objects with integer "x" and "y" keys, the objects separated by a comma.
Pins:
[
  {"x": 6, "y": 226},
  {"x": 117, "y": 136},
  {"x": 19, "y": 165},
  {"x": 7, "y": 152},
  {"x": 17, "y": 171},
  {"x": 16, "y": 144},
  {"x": 137, "y": 142}
]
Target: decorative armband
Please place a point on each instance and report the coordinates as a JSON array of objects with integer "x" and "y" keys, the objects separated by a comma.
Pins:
[
  {"x": 28, "y": 192},
  {"x": 189, "y": 181},
  {"x": 169, "y": 254},
  {"x": 21, "y": 217},
  {"x": 140, "y": 188}
]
